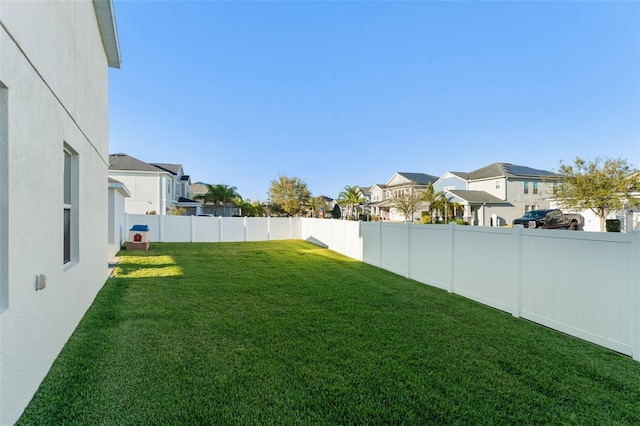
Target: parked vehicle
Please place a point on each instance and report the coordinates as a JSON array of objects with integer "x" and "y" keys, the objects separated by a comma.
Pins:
[{"x": 550, "y": 219}]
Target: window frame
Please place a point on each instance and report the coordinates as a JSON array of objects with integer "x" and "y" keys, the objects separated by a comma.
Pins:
[{"x": 70, "y": 216}]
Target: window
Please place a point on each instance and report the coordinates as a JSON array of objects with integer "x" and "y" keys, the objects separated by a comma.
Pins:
[
  {"x": 535, "y": 187},
  {"x": 168, "y": 187},
  {"x": 67, "y": 207},
  {"x": 497, "y": 184},
  {"x": 526, "y": 187},
  {"x": 70, "y": 205}
]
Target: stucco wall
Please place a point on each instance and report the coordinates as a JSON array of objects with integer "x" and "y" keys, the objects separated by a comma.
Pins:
[
  {"x": 148, "y": 191},
  {"x": 449, "y": 181},
  {"x": 55, "y": 72},
  {"x": 117, "y": 233},
  {"x": 489, "y": 186}
]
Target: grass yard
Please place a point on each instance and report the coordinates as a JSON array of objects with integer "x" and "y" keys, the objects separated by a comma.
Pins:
[{"x": 290, "y": 333}]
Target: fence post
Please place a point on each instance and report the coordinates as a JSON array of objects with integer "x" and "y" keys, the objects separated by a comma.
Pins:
[
  {"x": 516, "y": 297},
  {"x": 193, "y": 230},
  {"x": 380, "y": 243},
  {"x": 408, "y": 249},
  {"x": 161, "y": 226},
  {"x": 268, "y": 228},
  {"x": 220, "y": 229},
  {"x": 452, "y": 255},
  {"x": 246, "y": 229},
  {"x": 635, "y": 277}
]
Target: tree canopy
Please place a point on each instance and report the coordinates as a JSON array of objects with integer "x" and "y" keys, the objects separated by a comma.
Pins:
[
  {"x": 603, "y": 186},
  {"x": 351, "y": 197},
  {"x": 219, "y": 193},
  {"x": 431, "y": 197},
  {"x": 290, "y": 194},
  {"x": 407, "y": 202}
]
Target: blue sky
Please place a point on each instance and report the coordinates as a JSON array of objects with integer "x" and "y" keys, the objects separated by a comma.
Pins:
[{"x": 348, "y": 93}]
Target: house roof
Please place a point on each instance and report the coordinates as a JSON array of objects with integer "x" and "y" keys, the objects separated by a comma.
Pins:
[
  {"x": 119, "y": 186},
  {"x": 174, "y": 169},
  {"x": 325, "y": 198},
  {"x": 506, "y": 170},
  {"x": 122, "y": 161},
  {"x": 419, "y": 178},
  {"x": 463, "y": 175},
  {"x": 106, "y": 18},
  {"x": 476, "y": 197},
  {"x": 187, "y": 200}
]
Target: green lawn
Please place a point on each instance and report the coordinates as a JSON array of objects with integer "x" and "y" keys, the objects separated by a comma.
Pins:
[{"x": 289, "y": 333}]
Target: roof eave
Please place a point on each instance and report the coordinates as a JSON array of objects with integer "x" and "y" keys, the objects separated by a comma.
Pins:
[{"x": 106, "y": 17}]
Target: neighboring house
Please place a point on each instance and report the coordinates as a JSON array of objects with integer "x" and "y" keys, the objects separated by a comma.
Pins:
[
  {"x": 54, "y": 131},
  {"x": 496, "y": 194},
  {"x": 326, "y": 205},
  {"x": 379, "y": 205},
  {"x": 117, "y": 232},
  {"x": 199, "y": 189},
  {"x": 400, "y": 183},
  {"x": 155, "y": 187}
]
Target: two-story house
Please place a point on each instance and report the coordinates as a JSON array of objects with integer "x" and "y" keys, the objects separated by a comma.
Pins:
[
  {"x": 381, "y": 195},
  {"x": 496, "y": 194},
  {"x": 54, "y": 58},
  {"x": 154, "y": 188}
]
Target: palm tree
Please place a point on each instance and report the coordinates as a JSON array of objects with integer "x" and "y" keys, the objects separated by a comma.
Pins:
[
  {"x": 314, "y": 204},
  {"x": 430, "y": 197},
  {"x": 219, "y": 192},
  {"x": 351, "y": 197}
]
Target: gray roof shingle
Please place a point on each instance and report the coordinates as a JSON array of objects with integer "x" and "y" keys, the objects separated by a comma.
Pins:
[
  {"x": 476, "y": 197},
  {"x": 506, "y": 170},
  {"x": 126, "y": 162},
  {"x": 419, "y": 178}
]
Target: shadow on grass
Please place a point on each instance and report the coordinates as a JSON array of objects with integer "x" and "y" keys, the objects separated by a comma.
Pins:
[{"x": 147, "y": 267}]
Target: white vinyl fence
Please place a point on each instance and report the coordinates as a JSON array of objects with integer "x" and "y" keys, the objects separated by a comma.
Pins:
[
  {"x": 203, "y": 229},
  {"x": 581, "y": 283}
]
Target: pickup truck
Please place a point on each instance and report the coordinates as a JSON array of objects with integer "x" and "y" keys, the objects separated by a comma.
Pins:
[{"x": 550, "y": 219}]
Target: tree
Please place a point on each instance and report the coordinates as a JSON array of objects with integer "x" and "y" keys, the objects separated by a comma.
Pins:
[
  {"x": 351, "y": 197},
  {"x": 176, "y": 211},
  {"x": 448, "y": 208},
  {"x": 336, "y": 213},
  {"x": 602, "y": 186},
  {"x": 407, "y": 202},
  {"x": 248, "y": 208},
  {"x": 314, "y": 204},
  {"x": 430, "y": 197},
  {"x": 289, "y": 194},
  {"x": 219, "y": 192}
]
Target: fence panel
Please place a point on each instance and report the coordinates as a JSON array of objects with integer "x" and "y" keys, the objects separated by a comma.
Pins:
[
  {"x": 352, "y": 243},
  {"x": 394, "y": 240},
  {"x": 207, "y": 229},
  {"x": 483, "y": 265},
  {"x": 431, "y": 255},
  {"x": 370, "y": 235},
  {"x": 233, "y": 229},
  {"x": 579, "y": 283},
  {"x": 279, "y": 228},
  {"x": 295, "y": 228},
  {"x": 176, "y": 229},
  {"x": 257, "y": 229}
]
